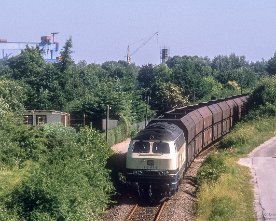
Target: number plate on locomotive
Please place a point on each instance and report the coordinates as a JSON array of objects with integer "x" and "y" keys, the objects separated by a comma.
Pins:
[{"x": 150, "y": 163}]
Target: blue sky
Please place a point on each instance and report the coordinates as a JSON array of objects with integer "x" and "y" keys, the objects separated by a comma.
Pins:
[{"x": 102, "y": 29}]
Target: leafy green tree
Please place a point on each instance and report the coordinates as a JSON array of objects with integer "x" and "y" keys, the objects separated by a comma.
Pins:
[
  {"x": 5, "y": 70},
  {"x": 162, "y": 73},
  {"x": 271, "y": 65},
  {"x": 146, "y": 77},
  {"x": 38, "y": 77},
  {"x": 246, "y": 78},
  {"x": 27, "y": 66},
  {"x": 265, "y": 93},
  {"x": 259, "y": 68},
  {"x": 120, "y": 69},
  {"x": 13, "y": 94},
  {"x": 212, "y": 87},
  {"x": 201, "y": 65},
  {"x": 225, "y": 67},
  {"x": 187, "y": 74},
  {"x": 66, "y": 60},
  {"x": 166, "y": 96},
  {"x": 223, "y": 63},
  {"x": 262, "y": 101}
]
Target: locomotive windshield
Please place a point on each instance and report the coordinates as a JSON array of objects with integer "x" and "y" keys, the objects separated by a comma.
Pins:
[
  {"x": 160, "y": 147},
  {"x": 141, "y": 147}
]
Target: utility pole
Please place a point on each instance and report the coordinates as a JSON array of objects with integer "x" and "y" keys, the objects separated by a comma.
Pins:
[
  {"x": 146, "y": 114},
  {"x": 53, "y": 34},
  {"x": 84, "y": 119},
  {"x": 106, "y": 122}
]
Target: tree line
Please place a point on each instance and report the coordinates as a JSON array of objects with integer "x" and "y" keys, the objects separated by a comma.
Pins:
[{"x": 129, "y": 90}]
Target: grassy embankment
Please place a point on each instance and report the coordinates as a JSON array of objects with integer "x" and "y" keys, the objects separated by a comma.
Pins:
[
  {"x": 225, "y": 188},
  {"x": 9, "y": 179}
]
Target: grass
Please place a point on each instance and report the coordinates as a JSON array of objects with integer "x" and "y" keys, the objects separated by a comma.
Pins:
[
  {"x": 9, "y": 178},
  {"x": 230, "y": 196},
  {"x": 248, "y": 135}
]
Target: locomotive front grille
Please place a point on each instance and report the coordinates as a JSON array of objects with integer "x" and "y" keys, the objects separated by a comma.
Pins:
[{"x": 150, "y": 163}]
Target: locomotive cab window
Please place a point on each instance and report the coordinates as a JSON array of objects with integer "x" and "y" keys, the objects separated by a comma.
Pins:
[
  {"x": 179, "y": 142},
  {"x": 160, "y": 147},
  {"x": 141, "y": 147}
]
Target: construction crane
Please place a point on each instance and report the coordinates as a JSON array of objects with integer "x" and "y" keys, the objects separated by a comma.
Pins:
[{"x": 129, "y": 54}]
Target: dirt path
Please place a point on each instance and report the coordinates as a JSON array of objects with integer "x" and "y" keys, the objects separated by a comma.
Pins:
[{"x": 121, "y": 147}]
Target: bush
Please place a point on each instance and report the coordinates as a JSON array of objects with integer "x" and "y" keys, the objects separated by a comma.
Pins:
[
  {"x": 211, "y": 169},
  {"x": 263, "y": 95},
  {"x": 21, "y": 143},
  {"x": 70, "y": 183},
  {"x": 119, "y": 133}
]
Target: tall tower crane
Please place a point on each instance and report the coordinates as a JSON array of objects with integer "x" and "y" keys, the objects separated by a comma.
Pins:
[{"x": 129, "y": 54}]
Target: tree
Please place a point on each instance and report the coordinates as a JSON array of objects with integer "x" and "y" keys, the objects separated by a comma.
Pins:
[
  {"x": 5, "y": 70},
  {"x": 146, "y": 77},
  {"x": 166, "y": 96},
  {"x": 271, "y": 65},
  {"x": 66, "y": 60},
  {"x": 265, "y": 93},
  {"x": 225, "y": 67},
  {"x": 212, "y": 87},
  {"x": 223, "y": 63},
  {"x": 187, "y": 74},
  {"x": 13, "y": 94},
  {"x": 27, "y": 66},
  {"x": 246, "y": 78},
  {"x": 259, "y": 68}
]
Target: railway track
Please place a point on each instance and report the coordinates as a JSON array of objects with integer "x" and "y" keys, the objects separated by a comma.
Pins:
[
  {"x": 154, "y": 212},
  {"x": 146, "y": 212}
]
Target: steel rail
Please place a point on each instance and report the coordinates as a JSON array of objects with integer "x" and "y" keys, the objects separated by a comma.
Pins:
[
  {"x": 158, "y": 215},
  {"x": 129, "y": 216}
]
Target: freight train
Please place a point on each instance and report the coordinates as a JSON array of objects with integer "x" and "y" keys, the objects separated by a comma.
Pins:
[{"x": 159, "y": 155}]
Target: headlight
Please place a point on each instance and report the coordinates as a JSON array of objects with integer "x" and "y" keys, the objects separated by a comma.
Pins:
[
  {"x": 162, "y": 173},
  {"x": 137, "y": 172}
]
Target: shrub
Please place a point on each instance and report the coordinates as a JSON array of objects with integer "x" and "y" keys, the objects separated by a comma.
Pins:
[
  {"x": 21, "y": 143},
  {"x": 71, "y": 183},
  {"x": 264, "y": 94},
  {"x": 211, "y": 169},
  {"x": 119, "y": 133}
]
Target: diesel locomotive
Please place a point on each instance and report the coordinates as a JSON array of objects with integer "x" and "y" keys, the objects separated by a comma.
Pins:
[{"x": 159, "y": 155}]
